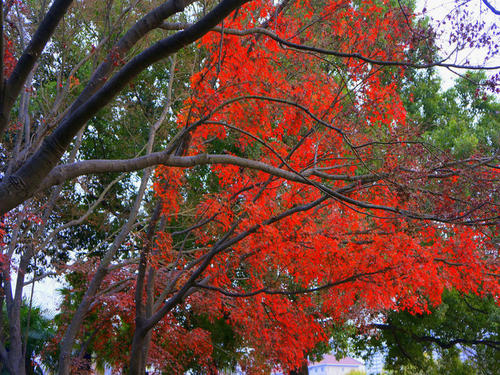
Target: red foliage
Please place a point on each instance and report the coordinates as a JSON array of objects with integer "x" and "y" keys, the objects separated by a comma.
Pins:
[
  {"x": 9, "y": 61},
  {"x": 365, "y": 248},
  {"x": 373, "y": 259}
]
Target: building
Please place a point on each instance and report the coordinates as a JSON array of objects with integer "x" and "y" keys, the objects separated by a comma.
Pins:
[
  {"x": 376, "y": 364},
  {"x": 329, "y": 365}
]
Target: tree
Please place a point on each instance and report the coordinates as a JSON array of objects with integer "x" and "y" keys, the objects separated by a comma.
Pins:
[
  {"x": 458, "y": 335},
  {"x": 39, "y": 332},
  {"x": 462, "y": 120},
  {"x": 465, "y": 324},
  {"x": 291, "y": 192}
]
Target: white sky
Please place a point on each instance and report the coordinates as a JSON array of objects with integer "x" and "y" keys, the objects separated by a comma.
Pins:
[{"x": 437, "y": 10}]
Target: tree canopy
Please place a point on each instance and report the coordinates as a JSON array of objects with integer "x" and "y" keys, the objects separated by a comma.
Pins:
[{"x": 226, "y": 182}]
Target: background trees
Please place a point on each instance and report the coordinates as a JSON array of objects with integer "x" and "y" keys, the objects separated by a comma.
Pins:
[
  {"x": 459, "y": 336},
  {"x": 292, "y": 193},
  {"x": 461, "y": 329}
]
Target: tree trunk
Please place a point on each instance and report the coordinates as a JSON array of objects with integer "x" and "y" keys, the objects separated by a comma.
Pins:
[
  {"x": 137, "y": 360},
  {"x": 303, "y": 370},
  {"x": 16, "y": 352},
  {"x": 16, "y": 357}
]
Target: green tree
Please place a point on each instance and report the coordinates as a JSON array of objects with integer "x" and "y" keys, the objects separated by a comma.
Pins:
[
  {"x": 463, "y": 119},
  {"x": 459, "y": 336}
]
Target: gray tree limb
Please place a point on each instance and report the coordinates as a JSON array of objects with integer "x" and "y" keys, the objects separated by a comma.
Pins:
[{"x": 16, "y": 188}]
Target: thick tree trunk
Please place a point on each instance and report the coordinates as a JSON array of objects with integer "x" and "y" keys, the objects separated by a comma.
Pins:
[
  {"x": 16, "y": 358},
  {"x": 137, "y": 362},
  {"x": 303, "y": 370}
]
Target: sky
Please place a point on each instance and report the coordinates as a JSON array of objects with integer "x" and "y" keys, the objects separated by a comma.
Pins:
[{"x": 437, "y": 11}]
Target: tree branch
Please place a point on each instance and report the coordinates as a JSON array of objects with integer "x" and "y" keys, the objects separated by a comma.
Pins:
[
  {"x": 69, "y": 171},
  {"x": 488, "y": 4},
  {"x": 65, "y": 172},
  {"x": 14, "y": 189},
  {"x": 438, "y": 341},
  {"x": 40, "y": 277},
  {"x": 323, "y": 51},
  {"x": 29, "y": 57},
  {"x": 292, "y": 292}
]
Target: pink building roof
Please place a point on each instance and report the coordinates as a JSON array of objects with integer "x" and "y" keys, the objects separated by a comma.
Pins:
[{"x": 330, "y": 359}]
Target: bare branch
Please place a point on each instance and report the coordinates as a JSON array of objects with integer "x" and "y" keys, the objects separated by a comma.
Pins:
[
  {"x": 292, "y": 292},
  {"x": 445, "y": 344},
  {"x": 40, "y": 277},
  {"x": 69, "y": 171},
  {"x": 323, "y": 51},
  {"x": 488, "y": 4},
  {"x": 82, "y": 218}
]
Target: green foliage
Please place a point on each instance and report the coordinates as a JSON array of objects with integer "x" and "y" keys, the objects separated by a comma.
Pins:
[
  {"x": 441, "y": 366},
  {"x": 459, "y": 336},
  {"x": 463, "y": 119},
  {"x": 224, "y": 340},
  {"x": 462, "y": 325}
]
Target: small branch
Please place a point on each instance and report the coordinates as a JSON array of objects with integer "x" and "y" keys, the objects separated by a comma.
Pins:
[
  {"x": 291, "y": 292},
  {"x": 323, "y": 51},
  {"x": 125, "y": 263},
  {"x": 488, "y": 4},
  {"x": 40, "y": 277},
  {"x": 82, "y": 218},
  {"x": 438, "y": 341}
]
